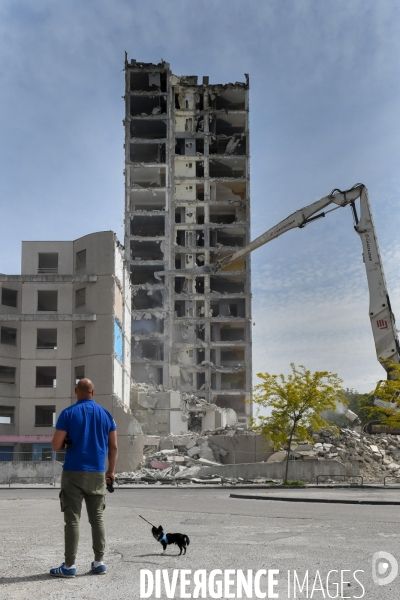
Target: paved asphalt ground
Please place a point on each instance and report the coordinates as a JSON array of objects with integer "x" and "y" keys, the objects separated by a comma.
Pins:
[{"x": 225, "y": 533}]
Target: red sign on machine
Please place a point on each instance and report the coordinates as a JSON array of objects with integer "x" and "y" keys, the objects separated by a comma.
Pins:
[{"x": 382, "y": 324}]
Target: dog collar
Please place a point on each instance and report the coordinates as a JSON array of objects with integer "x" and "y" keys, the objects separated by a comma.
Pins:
[{"x": 163, "y": 539}]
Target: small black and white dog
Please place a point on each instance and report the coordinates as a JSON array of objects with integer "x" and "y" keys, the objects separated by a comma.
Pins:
[{"x": 165, "y": 539}]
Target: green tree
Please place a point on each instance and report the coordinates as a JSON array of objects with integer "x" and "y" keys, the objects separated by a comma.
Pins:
[
  {"x": 296, "y": 404},
  {"x": 384, "y": 403}
]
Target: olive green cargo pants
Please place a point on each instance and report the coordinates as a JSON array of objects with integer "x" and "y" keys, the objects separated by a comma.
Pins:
[{"x": 77, "y": 486}]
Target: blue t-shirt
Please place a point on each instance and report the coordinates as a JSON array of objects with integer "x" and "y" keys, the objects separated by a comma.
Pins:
[{"x": 87, "y": 424}]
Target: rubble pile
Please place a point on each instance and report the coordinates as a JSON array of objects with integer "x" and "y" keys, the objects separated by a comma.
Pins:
[
  {"x": 372, "y": 456},
  {"x": 180, "y": 457}
]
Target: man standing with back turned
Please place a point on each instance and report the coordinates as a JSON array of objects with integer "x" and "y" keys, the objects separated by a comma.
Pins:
[{"x": 87, "y": 430}]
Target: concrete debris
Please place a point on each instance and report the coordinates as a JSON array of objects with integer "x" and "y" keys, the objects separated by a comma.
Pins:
[{"x": 371, "y": 456}]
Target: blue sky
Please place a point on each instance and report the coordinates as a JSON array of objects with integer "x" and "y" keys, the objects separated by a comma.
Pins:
[{"x": 325, "y": 97}]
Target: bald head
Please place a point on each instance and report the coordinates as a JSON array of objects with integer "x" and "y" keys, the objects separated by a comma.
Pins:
[{"x": 84, "y": 389}]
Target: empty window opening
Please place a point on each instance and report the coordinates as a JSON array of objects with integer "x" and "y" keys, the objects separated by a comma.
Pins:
[
  {"x": 238, "y": 402},
  {"x": 46, "y": 339},
  {"x": 229, "y": 100},
  {"x": 228, "y": 308},
  {"x": 147, "y": 374},
  {"x": 227, "y": 285},
  {"x": 47, "y": 262},
  {"x": 80, "y": 259},
  {"x": 46, "y": 377},
  {"x": 199, "y": 285},
  {"x": 80, "y": 297},
  {"x": 146, "y": 81},
  {"x": 148, "y": 129},
  {"x": 234, "y": 191},
  {"x": 232, "y": 357},
  {"x": 200, "y": 192},
  {"x": 200, "y": 381},
  {"x": 9, "y": 297},
  {"x": 146, "y": 251},
  {"x": 147, "y": 226},
  {"x": 199, "y": 169},
  {"x": 224, "y": 332},
  {"x": 147, "y": 326},
  {"x": 231, "y": 238},
  {"x": 7, "y": 415},
  {"x": 228, "y": 125},
  {"x": 200, "y": 356},
  {"x": 79, "y": 373},
  {"x": 141, "y": 274},
  {"x": 144, "y": 299},
  {"x": 235, "y": 144},
  {"x": 148, "y": 105},
  {"x": 148, "y": 350},
  {"x": 228, "y": 167},
  {"x": 147, "y": 200},
  {"x": 233, "y": 381},
  {"x": 179, "y": 308},
  {"x": 47, "y": 300},
  {"x": 200, "y": 332},
  {"x": 7, "y": 374},
  {"x": 147, "y": 153},
  {"x": 80, "y": 335},
  {"x": 147, "y": 177},
  {"x": 8, "y": 335},
  {"x": 45, "y": 416}
]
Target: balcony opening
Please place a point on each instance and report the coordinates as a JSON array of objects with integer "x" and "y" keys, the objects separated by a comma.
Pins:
[
  {"x": 148, "y": 225},
  {"x": 148, "y": 105},
  {"x": 47, "y": 300},
  {"x": 79, "y": 373},
  {"x": 47, "y": 262},
  {"x": 147, "y": 177},
  {"x": 80, "y": 335},
  {"x": 7, "y": 374},
  {"x": 80, "y": 297},
  {"x": 7, "y": 415},
  {"x": 228, "y": 167},
  {"x": 9, "y": 297},
  {"x": 147, "y": 326},
  {"x": 45, "y": 416},
  {"x": 236, "y": 402},
  {"x": 80, "y": 259},
  {"x": 46, "y": 339},
  {"x": 148, "y": 129},
  {"x": 46, "y": 377},
  {"x": 232, "y": 358},
  {"x": 231, "y": 285},
  {"x": 146, "y": 81},
  {"x": 147, "y": 153},
  {"x": 145, "y": 274},
  {"x": 147, "y": 200},
  {"x": 146, "y": 251},
  {"x": 146, "y": 299},
  {"x": 229, "y": 100},
  {"x": 8, "y": 335}
]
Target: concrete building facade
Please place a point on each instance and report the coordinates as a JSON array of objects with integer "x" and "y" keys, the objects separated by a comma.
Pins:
[
  {"x": 187, "y": 204},
  {"x": 67, "y": 316}
]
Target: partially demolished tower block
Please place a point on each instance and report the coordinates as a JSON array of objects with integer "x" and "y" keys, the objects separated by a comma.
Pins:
[{"x": 187, "y": 203}]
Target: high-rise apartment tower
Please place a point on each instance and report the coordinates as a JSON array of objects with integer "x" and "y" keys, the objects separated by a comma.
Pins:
[{"x": 188, "y": 204}]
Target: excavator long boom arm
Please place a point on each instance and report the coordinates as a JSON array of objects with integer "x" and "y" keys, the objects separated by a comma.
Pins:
[{"x": 380, "y": 312}]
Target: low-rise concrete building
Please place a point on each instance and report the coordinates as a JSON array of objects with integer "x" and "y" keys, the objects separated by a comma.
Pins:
[{"x": 67, "y": 316}]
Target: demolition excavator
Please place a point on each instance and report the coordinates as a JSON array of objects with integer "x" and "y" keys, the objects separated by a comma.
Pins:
[{"x": 380, "y": 312}]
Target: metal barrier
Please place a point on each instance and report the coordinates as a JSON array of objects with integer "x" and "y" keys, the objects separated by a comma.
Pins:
[
  {"x": 32, "y": 456},
  {"x": 344, "y": 477},
  {"x": 15, "y": 479},
  {"x": 397, "y": 477}
]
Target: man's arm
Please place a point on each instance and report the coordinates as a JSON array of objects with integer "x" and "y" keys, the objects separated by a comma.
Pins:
[
  {"x": 112, "y": 455},
  {"x": 58, "y": 440}
]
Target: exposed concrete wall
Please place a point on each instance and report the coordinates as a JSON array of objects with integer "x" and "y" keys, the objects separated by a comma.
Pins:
[
  {"x": 30, "y": 470},
  {"x": 299, "y": 470},
  {"x": 187, "y": 203}
]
